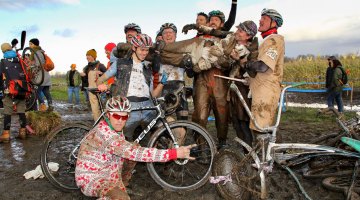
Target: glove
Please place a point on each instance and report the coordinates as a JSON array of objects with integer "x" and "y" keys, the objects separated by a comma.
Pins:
[
  {"x": 164, "y": 78},
  {"x": 251, "y": 71},
  {"x": 205, "y": 29},
  {"x": 188, "y": 27},
  {"x": 254, "y": 45}
]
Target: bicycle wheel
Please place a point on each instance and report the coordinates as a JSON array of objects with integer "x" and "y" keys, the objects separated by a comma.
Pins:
[
  {"x": 243, "y": 176},
  {"x": 175, "y": 176},
  {"x": 327, "y": 166},
  {"x": 36, "y": 70},
  {"x": 58, "y": 147},
  {"x": 340, "y": 184},
  {"x": 31, "y": 100}
]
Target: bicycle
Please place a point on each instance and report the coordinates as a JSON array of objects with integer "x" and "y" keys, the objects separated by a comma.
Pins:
[
  {"x": 62, "y": 144},
  {"x": 245, "y": 174},
  {"x": 34, "y": 69}
]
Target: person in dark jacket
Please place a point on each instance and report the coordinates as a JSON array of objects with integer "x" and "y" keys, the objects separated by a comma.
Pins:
[
  {"x": 44, "y": 88},
  {"x": 91, "y": 72},
  {"x": 11, "y": 69},
  {"x": 73, "y": 81},
  {"x": 334, "y": 84}
]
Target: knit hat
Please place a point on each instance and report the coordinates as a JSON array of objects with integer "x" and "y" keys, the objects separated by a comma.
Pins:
[
  {"x": 5, "y": 47},
  {"x": 73, "y": 66},
  {"x": 110, "y": 46},
  {"x": 35, "y": 41},
  {"x": 91, "y": 52}
]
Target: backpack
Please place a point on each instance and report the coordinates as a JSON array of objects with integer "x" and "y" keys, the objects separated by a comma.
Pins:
[
  {"x": 344, "y": 77},
  {"x": 49, "y": 64},
  {"x": 20, "y": 89}
]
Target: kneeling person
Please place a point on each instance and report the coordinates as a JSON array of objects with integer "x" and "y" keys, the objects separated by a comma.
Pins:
[{"x": 103, "y": 152}]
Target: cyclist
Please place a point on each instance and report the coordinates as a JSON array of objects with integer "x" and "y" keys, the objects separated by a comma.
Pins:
[
  {"x": 203, "y": 19},
  {"x": 267, "y": 71},
  {"x": 122, "y": 49},
  {"x": 175, "y": 74},
  {"x": 133, "y": 78},
  {"x": 11, "y": 69},
  {"x": 104, "y": 151}
]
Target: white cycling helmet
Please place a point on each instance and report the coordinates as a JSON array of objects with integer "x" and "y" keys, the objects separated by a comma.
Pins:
[{"x": 118, "y": 104}]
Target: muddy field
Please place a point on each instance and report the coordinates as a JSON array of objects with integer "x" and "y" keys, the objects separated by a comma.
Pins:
[{"x": 18, "y": 157}]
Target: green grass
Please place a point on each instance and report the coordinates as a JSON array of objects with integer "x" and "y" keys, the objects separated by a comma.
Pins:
[
  {"x": 309, "y": 115},
  {"x": 59, "y": 89}
]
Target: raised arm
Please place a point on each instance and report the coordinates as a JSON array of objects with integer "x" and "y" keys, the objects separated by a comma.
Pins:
[{"x": 232, "y": 15}]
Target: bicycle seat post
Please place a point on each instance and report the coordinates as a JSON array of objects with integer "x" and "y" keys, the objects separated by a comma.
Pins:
[{"x": 263, "y": 139}]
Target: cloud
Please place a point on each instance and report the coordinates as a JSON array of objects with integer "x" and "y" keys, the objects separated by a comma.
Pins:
[
  {"x": 32, "y": 30},
  {"x": 21, "y": 5},
  {"x": 65, "y": 33},
  {"x": 328, "y": 46}
]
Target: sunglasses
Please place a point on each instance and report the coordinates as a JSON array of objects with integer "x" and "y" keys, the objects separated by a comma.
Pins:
[{"x": 119, "y": 117}]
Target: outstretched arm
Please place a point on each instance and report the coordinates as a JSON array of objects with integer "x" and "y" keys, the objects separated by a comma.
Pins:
[
  {"x": 232, "y": 15},
  {"x": 205, "y": 30}
]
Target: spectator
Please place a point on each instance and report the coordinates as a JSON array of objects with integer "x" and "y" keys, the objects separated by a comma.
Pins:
[
  {"x": 334, "y": 84},
  {"x": 108, "y": 49},
  {"x": 45, "y": 86},
  {"x": 73, "y": 80},
  {"x": 91, "y": 73},
  {"x": 11, "y": 68}
]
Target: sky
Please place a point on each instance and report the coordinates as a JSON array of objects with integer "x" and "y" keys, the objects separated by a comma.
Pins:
[{"x": 68, "y": 28}]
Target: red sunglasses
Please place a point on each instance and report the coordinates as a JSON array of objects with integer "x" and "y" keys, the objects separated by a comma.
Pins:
[{"x": 119, "y": 117}]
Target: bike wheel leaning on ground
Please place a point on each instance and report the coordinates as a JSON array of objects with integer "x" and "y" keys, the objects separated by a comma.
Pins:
[
  {"x": 59, "y": 148},
  {"x": 183, "y": 174}
]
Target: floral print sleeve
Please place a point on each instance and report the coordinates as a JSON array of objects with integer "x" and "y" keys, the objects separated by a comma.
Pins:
[{"x": 117, "y": 145}]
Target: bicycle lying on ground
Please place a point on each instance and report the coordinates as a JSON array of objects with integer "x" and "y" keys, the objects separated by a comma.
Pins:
[
  {"x": 245, "y": 175},
  {"x": 62, "y": 144}
]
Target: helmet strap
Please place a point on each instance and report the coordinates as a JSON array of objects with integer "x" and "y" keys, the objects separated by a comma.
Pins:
[{"x": 269, "y": 32}]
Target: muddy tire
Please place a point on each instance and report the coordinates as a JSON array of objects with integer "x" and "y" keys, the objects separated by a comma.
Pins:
[
  {"x": 175, "y": 176},
  {"x": 231, "y": 161},
  {"x": 326, "y": 166},
  {"x": 341, "y": 184},
  {"x": 58, "y": 147},
  {"x": 35, "y": 72},
  {"x": 31, "y": 99}
]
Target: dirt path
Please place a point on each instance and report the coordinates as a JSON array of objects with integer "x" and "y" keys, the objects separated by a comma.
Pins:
[{"x": 18, "y": 157}]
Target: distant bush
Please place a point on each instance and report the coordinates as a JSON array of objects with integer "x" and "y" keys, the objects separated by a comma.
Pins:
[{"x": 313, "y": 68}]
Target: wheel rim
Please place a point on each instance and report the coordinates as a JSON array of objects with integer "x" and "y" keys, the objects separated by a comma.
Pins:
[{"x": 193, "y": 174}]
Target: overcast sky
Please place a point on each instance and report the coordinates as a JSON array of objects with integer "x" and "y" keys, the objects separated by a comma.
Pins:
[{"x": 68, "y": 28}]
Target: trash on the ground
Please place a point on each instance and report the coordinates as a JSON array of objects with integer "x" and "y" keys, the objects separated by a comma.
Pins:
[{"x": 38, "y": 173}]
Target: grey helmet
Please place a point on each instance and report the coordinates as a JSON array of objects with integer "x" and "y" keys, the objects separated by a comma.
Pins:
[
  {"x": 249, "y": 27},
  {"x": 274, "y": 15},
  {"x": 168, "y": 25},
  {"x": 132, "y": 26}
]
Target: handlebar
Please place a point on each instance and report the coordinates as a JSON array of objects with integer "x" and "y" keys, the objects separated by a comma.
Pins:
[{"x": 96, "y": 90}]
